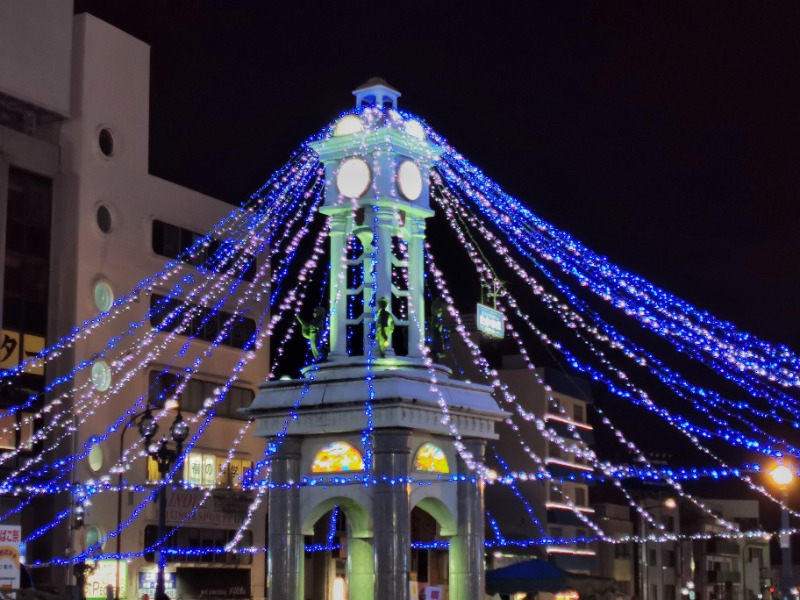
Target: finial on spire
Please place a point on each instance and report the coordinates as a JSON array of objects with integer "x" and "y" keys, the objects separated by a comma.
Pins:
[{"x": 376, "y": 92}]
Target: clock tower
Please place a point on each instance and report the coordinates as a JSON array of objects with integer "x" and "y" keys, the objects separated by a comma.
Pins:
[
  {"x": 363, "y": 432},
  {"x": 377, "y": 166}
]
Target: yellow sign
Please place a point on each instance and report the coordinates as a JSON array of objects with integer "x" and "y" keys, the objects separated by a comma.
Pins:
[
  {"x": 9, "y": 349},
  {"x": 104, "y": 575},
  {"x": 16, "y": 347}
]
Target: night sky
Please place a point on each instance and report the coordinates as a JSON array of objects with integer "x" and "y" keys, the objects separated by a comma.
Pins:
[{"x": 664, "y": 137}]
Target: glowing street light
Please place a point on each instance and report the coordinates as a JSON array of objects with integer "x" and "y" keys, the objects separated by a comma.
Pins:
[{"x": 783, "y": 477}]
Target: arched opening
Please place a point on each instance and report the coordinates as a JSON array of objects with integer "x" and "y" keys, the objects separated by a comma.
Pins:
[
  {"x": 338, "y": 551},
  {"x": 400, "y": 307},
  {"x": 430, "y": 556}
]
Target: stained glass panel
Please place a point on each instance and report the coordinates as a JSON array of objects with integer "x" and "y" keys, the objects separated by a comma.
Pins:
[
  {"x": 336, "y": 457},
  {"x": 431, "y": 458}
]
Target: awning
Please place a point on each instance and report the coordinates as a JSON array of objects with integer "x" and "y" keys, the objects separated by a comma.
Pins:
[{"x": 529, "y": 576}]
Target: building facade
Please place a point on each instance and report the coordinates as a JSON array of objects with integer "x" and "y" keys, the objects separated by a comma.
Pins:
[{"x": 85, "y": 222}]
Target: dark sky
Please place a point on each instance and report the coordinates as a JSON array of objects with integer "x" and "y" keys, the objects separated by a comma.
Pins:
[{"x": 664, "y": 137}]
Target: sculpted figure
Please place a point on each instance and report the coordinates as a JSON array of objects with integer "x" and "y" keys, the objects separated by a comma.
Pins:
[
  {"x": 384, "y": 327},
  {"x": 314, "y": 331}
]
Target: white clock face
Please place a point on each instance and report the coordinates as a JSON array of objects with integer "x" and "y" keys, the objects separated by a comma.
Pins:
[
  {"x": 415, "y": 129},
  {"x": 353, "y": 178},
  {"x": 348, "y": 125},
  {"x": 409, "y": 180}
]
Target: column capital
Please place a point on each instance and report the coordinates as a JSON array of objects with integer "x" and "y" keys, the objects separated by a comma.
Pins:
[
  {"x": 287, "y": 447},
  {"x": 391, "y": 440}
]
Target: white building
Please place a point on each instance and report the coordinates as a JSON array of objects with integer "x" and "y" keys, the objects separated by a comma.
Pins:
[{"x": 85, "y": 223}]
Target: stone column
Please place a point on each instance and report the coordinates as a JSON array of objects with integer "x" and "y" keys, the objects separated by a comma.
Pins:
[
  {"x": 467, "y": 569},
  {"x": 285, "y": 548},
  {"x": 338, "y": 288},
  {"x": 391, "y": 514},
  {"x": 378, "y": 255},
  {"x": 360, "y": 576},
  {"x": 416, "y": 287}
]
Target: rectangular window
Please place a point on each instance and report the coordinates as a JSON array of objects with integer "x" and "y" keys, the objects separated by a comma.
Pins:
[
  {"x": 622, "y": 550},
  {"x": 578, "y": 414},
  {"x": 20, "y": 431},
  {"x": 195, "y": 538},
  {"x": 669, "y": 523},
  {"x": 652, "y": 557},
  {"x": 171, "y": 314},
  {"x": 171, "y": 241},
  {"x": 163, "y": 387},
  {"x": 27, "y": 258},
  {"x": 669, "y": 592},
  {"x": 668, "y": 558},
  {"x": 201, "y": 470},
  {"x": 580, "y": 496}
]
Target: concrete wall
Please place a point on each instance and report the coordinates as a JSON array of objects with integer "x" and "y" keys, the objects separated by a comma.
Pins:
[{"x": 35, "y": 47}]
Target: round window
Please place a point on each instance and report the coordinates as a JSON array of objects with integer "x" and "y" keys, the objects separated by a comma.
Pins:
[
  {"x": 93, "y": 535},
  {"x": 103, "y": 296},
  {"x": 95, "y": 458},
  {"x": 104, "y": 219},
  {"x": 105, "y": 140},
  {"x": 101, "y": 376}
]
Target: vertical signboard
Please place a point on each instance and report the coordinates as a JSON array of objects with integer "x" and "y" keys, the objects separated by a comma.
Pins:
[
  {"x": 10, "y": 537},
  {"x": 147, "y": 584}
]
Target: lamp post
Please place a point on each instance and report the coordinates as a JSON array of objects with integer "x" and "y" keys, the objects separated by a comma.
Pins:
[
  {"x": 165, "y": 457},
  {"x": 119, "y": 486},
  {"x": 783, "y": 477}
]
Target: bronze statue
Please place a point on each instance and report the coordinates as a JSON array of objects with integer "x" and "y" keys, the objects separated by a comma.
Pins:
[
  {"x": 384, "y": 327},
  {"x": 313, "y": 331},
  {"x": 437, "y": 328}
]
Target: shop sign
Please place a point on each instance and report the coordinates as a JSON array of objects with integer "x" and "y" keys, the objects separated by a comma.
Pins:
[
  {"x": 148, "y": 580},
  {"x": 103, "y": 575},
  {"x": 491, "y": 322},
  {"x": 10, "y": 537},
  {"x": 213, "y": 584},
  {"x": 219, "y": 510}
]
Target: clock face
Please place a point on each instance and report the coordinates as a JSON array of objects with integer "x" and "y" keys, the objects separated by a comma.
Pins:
[
  {"x": 415, "y": 129},
  {"x": 348, "y": 125},
  {"x": 409, "y": 180},
  {"x": 353, "y": 178}
]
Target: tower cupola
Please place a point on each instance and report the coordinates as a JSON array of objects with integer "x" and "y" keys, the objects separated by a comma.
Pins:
[{"x": 376, "y": 92}]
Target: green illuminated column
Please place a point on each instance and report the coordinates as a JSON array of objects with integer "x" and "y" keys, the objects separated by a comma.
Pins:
[
  {"x": 360, "y": 573},
  {"x": 338, "y": 288}
]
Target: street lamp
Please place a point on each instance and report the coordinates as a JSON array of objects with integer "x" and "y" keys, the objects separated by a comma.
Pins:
[
  {"x": 165, "y": 457},
  {"x": 783, "y": 477},
  {"x": 120, "y": 472}
]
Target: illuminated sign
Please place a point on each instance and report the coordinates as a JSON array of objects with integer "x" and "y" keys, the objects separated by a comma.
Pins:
[
  {"x": 104, "y": 575},
  {"x": 148, "y": 580},
  {"x": 491, "y": 322},
  {"x": 16, "y": 347},
  {"x": 10, "y": 538}
]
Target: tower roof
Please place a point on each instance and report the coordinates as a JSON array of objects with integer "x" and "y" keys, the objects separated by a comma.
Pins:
[
  {"x": 376, "y": 92},
  {"x": 376, "y": 81}
]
